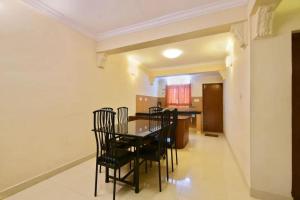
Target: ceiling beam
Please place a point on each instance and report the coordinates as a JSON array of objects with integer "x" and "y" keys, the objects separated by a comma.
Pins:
[
  {"x": 152, "y": 36},
  {"x": 185, "y": 70},
  {"x": 171, "y": 39}
]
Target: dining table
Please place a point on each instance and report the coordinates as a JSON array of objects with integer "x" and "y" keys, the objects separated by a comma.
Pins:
[{"x": 138, "y": 131}]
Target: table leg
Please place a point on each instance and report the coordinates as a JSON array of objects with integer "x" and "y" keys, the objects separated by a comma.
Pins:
[
  {"x": 136, "y": 169},
  {"x": 106, "y": 174}
]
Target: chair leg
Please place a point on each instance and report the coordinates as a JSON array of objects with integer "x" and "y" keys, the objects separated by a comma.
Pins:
[
  {"x": 106, "y": 174},
  {"x": 100, "y": 154},
  {"x": 159, "y": 176},
  {"x": 119, "y": 172},
  {"x": 172, "y": 159},
  {"x": 133, "y": 172},
  {"x": 96, "y": 180},
  {"x": 176, "y": 155},
  {"x": 132, "y": 150},
  {"x": 146, "y": 166},
  {"x": 167, "y": 164},
  {"x": 114, "y": 195}
]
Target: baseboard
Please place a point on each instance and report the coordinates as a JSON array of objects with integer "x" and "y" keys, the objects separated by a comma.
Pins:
[
  {"x": 257, "y": 193},
  {"x": 267, "y": 196},
  {"x": 30, "y": 182},
  {"x": 236, "y": 161}
]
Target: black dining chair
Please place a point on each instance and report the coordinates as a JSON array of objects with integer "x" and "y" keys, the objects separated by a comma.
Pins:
[
  {"x": 171, "y": 138},
  {"x": 113, "y": 157},
  {"x": 107, "y": 108},
  {"x": 154, "y": 113},
  {"x": 157, "y": 150},
  {"x": 122, "y": 115},
  {"x": 121, "y": 142},
  {"x": 154, "y": 118}
]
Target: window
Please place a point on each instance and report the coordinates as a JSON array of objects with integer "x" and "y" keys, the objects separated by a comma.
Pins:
[{"x": 178, "y": 95}]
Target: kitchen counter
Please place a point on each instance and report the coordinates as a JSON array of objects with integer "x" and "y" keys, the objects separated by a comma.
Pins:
[
  {"x": 182, "y": 131},
  {"x": 181, "y": 111},
  {"x": 194, "y": 114}
]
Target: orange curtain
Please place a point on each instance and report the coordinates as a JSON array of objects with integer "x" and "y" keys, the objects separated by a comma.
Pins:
[{"x": 178, "y": 95}]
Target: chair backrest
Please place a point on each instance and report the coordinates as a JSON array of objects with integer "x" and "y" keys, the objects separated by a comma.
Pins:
[
  {"x": 165, "y": 126},
  {"x": 154, "y": 113},
  {"x": 122, "y": 115},
  {"x": 104, "y": 128},
  {"x": 174, "y": 114},
  {"x": 166, "y": 118},
  {"x": 107, "y": 108},
  {"x": 174, "y": 119}
]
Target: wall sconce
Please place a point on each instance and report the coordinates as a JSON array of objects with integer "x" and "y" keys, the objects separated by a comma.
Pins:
[
  {"x": 230, "y": 50},
  {"x": 101, "y": 59},
  {"x": 229, "y": 46},
  {"x": 133, "y": 65},
  {"x": 228, "y": 61},
  {"x": 132, "y": 70}
]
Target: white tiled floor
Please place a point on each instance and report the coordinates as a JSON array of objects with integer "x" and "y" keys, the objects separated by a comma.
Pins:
[{"x": 206, "y": 171}]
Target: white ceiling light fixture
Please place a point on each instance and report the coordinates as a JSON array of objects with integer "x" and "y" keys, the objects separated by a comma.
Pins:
[{"x": 172, "y": 53}]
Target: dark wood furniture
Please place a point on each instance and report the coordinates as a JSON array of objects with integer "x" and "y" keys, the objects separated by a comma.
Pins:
[
  {"x": 110, "y": 153},
  {"x": 296, "y": 116},
  {"x": 123, "y": 118},
  {"x": 107, "y": 108},
  {"x": 156, "y": 150},
  {"x": 182, "y": 111},
  {"x": 212, "y": 107},
  {"x": 195, "y": 114},
  {"x": 154, "y": 113},
  {"x": 102, "y": 149},
  {"x": 182, "y": 131},
  {"x": 171, "y": 139},
  {"x": 122, "y": 115},
  {"x": 182, "y": 128},
  {"x": 139, "y": 131}
]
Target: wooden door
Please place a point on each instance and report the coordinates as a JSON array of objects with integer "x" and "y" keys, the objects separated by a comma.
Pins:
[
  {"x": 212, "y": 107},
  {"x": 296, "y": 115}
]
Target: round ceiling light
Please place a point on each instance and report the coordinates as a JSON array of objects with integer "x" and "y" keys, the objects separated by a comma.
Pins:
[{"x": 172, "y": 53}]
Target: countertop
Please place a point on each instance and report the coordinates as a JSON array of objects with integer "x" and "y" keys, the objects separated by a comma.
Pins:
[{"x": 181, "y": 111}]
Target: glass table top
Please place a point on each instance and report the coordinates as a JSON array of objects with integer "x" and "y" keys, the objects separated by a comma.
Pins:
[{"x": 138, "y": 128}]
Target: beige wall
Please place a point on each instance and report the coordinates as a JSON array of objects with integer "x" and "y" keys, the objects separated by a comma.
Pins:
[
  {"x": 262, "y": 144},
  {"x": 271, "y": 132},
  {"x": 143, "y": 103},
  {"x": 118, "y": 88},
  {"x": 198, "y": 80},
  {"x": 237, "y": 108},
  {"x": 49, "y": 87}
]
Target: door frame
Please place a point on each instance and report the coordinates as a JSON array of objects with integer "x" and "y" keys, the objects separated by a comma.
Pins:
[{"x": 295, "y": 130}]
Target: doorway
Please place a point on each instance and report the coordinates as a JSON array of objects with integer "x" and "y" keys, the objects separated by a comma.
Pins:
[
  {"x": 296, "y": 116},
  {"x": 212, "y": 107}
]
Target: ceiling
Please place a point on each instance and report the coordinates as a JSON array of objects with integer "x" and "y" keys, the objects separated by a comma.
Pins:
[
  {"x": 203, "y": 50},
  {"x": 103, "y": 18}
]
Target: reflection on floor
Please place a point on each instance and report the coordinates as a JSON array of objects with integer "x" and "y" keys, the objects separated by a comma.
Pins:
[{"x": 206, "y": 171}]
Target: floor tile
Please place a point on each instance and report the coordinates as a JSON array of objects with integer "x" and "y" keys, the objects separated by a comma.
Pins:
[{"x": 206, "y": 170}]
